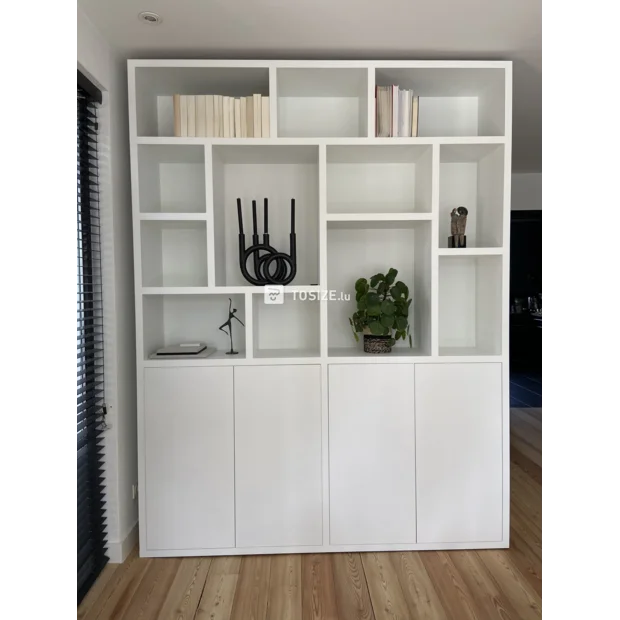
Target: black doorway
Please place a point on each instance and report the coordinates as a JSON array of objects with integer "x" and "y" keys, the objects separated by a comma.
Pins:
[{"x": 526, "y": 308}]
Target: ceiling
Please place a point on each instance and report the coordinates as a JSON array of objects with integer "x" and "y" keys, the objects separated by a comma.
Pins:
[{"x": 345, "y": 29}]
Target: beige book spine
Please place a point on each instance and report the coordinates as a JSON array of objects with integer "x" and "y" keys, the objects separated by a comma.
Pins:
[
  {"x": 226, "y": 117},
  {"x": 209, "y": 116},
  {"x": 257, "y": 116},
  {"x": 183, "y": 106},
  {"x": 265, "y": 129},
  {"x": 176, "y": 101},
  {"x": 250, "y": 116},
  {"x": 201, "y": 116},
  {"x": 191, "y": 116},
  {"x": 238, "y": 118},
  {"x": 243, "y": 112}
]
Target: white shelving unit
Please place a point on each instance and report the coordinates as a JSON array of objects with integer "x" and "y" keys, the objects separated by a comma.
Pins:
[{"x": 364, "y": 204}]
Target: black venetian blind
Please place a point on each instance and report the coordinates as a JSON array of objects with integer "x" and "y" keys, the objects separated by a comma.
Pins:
[{"x": 91, "y": 557}]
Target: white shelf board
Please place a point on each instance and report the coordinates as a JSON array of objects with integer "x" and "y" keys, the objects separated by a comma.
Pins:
[
  {"x": 222, "y": 290},
  {"x": 466, "y": 351},
  {"x": 378, "y": 217},
  {"x": 470, "y": 251},
  {"x": 346, "y": 141},
  {"x": 268, "y": 354},
  {"x": 171, "y": 217},
  {"x": 397, "y": 353},
  {"x": 291, "y": 288}
]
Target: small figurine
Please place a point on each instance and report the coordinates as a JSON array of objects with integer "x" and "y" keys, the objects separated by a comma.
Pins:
[
  {"x": 458, "y": 221},
  {"x": 231, "y": 316}
]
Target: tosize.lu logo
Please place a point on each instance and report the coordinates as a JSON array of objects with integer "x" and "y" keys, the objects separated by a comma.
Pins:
[{"x": 274, "y": 294}]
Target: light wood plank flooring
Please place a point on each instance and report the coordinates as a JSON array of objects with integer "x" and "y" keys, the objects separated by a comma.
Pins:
[{"x": 455, "y": 585}]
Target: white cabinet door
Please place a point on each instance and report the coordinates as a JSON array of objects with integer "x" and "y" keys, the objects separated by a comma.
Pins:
[
  {"x": 278, "y": 456},
  {"x": 459, "y": 448},
  {"x": 189, "y": 450},
  {"x": 372, "y": 454}
]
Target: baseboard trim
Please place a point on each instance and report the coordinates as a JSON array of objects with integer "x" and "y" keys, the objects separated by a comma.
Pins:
[{"x": 118, "y": 551}]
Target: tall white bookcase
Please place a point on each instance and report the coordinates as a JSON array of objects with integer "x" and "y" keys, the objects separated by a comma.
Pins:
[{"x": 302, "y": 442}]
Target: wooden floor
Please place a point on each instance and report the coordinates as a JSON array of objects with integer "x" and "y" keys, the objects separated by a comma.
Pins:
[{"x": 455, "y": 585}]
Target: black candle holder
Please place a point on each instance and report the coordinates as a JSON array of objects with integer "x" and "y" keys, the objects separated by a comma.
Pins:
[{"x": 264, "y": 256}]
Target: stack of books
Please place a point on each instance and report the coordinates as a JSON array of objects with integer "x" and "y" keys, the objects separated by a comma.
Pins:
[
  {"x": 218, "y": 116},
  {"x": 396, "y": 112}
]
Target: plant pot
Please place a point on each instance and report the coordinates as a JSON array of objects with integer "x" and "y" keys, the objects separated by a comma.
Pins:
[{"x": 377, "y": 344}]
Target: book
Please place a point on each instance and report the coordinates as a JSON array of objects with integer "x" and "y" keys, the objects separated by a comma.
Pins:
[
  {"x": 415, "y": 110},
  {"x": 265, "y": 117},
  {"x": 217, "y": 116},
  {"x": 257, "y": 114},
  {"x": 231, "y": 116},
  {"x": 394, "y": 118},
  {"x": 238, "y": 118},
  {"x": 191, "y": 116},
  {"x": 226, "y": 117},
  {"x": 183, "y": 106},
  {"x": 244, "y": 117},
  {"x": 250, "y": 116},
  {"x": 402, "y": 113},
  {"x": 176, "y": 102},
  {"x": 210, "y": 127},
  {"x": 201, "y": 116},
  {"x": 384, "y": 111}
]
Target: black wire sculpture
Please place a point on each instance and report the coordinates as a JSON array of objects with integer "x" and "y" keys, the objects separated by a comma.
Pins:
[
  {"x": 270, "y": 266},
  {"x": 228, "y": 323}
]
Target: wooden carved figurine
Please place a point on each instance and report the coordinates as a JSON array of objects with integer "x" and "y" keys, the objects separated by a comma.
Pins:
[{"x": 458, "y": 222}]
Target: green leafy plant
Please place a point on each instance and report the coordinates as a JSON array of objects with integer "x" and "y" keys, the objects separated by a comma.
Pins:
[{"x": 382, "y": 307}]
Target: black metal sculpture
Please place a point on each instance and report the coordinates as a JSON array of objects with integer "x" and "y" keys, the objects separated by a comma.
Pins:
[
  {"x": 270, "y": 266},
  {"x": 228, "y": 323}
]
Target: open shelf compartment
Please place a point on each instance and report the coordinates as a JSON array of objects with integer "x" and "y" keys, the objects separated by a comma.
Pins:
[
  {"x": 174, "y": 253},
  {"x": 278, "y": 173},
  {"x": 473, "y": 176},
  {"x": 290, "y": 329},
  {"x": 172, "y": 179},
  {"x": 156, "y": 86},
  {"x": 470, "y": 305},
  {"x": 322, "y": 103},
  {"x": 379, "y": 179},
  {"x": 176, "y": 319},
  {"x": 453, "y": 101},
  {"x": 363, "y": 249}
]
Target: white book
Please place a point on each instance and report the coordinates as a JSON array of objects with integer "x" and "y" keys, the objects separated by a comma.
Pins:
[
  {"x": 402, "y": 113},
  {"x": 226, "y": 117},
  {"x": 243, "y": 111},
  {"x": 183, "y": 105},
  {"x": 177, "y": 115},
  {"x": 265, "y": 117},
  {"x": 250, "y": 116},
  {"x": 217, "y": 116},
  {"x": 394, "y": 121},
  {"x": 191, "y": 116},
  {"x": 415, "y": 107},
  {"x": 210, "y": 126},
  {"x": 257, "y": 116},
  {"x": 201, "y": 116},
  {"x": 238, "y": 118},
  {"x": 231, "y": 116}
]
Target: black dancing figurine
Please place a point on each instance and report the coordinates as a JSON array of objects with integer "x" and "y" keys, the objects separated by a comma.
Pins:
[{"x": 231, "y": 316}]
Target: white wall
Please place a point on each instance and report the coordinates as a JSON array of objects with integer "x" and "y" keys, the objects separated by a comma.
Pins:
[
  {"x": 526, "y": 191},
  {"x": 96, "y": 60}
]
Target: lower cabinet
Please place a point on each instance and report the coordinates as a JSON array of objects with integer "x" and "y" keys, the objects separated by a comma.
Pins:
[
  {"x": 372, "y": 454},
  {"x": 459, "y": 452},
  {"x": 278, "y": 463},
  {"x": 189, "y": 452}
]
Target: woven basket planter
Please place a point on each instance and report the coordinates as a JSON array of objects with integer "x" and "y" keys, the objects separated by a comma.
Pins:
[{"x": 377, "y": 344}]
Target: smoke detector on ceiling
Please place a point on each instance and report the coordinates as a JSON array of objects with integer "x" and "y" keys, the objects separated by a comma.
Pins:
[{"x": 150, "y": 18}]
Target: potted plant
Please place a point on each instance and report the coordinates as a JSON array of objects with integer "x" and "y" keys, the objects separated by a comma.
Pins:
[{"x": 382, "y": 312}]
